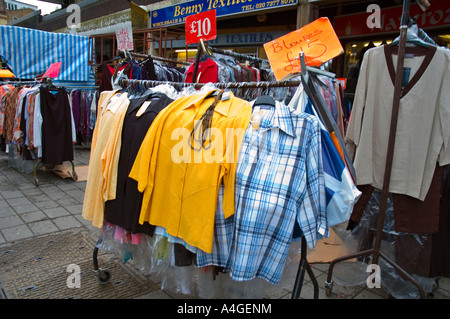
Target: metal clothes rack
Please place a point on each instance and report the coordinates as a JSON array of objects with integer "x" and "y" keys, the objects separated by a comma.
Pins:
[
  {"x": 375, "y": 251},
  {"x": 238, "y": 55},
  {"x": 147, "y": 56},
  {"x": 104, "y": 275}
]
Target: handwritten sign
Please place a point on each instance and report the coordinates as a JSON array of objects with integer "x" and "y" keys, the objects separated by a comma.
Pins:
[
  {"x": 201, "y": 26},
  {"x": 317, "y": 40},
  {"x": 124, "y": 38}
]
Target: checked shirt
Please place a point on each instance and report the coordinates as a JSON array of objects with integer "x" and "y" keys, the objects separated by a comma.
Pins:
[{"x": 279, "y": 182}]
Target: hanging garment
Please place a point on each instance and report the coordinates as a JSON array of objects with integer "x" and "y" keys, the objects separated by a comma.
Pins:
[
  {"x": 180, "y": 177},
  {"x": 10, "y": 113},
  {"x": 440, "y": 254},
  {"x": 341, "y": 191},
  {"x": 423, "y": 133},
  {"x": 124, "y": 210},
  {"x": 411, "y": 215},
  {"x": 105, "y": 148},
  {"x": 207, "y": 72},
  {"x": 105, "y": 82},
  {"x": 4, "y": 89},
  {"x": 57, "y": 145},
  {"x": 279, "y": 182}
]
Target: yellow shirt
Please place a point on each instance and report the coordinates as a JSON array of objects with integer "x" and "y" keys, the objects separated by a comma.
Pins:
[
  {"x": 104, "y": 159},
  {"x": 181, "y": 185}
]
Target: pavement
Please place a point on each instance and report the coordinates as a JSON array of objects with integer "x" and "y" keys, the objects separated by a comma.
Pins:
[{"x": 29, "y": 212}]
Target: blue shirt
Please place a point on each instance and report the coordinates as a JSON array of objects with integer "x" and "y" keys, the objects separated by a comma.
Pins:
[{"x": 279, "y": 182}]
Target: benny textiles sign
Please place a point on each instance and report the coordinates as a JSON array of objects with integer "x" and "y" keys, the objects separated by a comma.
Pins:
[{"x": 177, "y": 14}]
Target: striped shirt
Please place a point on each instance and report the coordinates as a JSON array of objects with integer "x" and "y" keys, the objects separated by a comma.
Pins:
[{"x": 279, "y": 182}]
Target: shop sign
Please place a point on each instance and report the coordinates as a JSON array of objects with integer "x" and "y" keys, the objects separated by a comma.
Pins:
[
  {"x": 356, "y": 24},
  {"x": 177, "y": 14},
  {"x": 201, "y": 26},
  {"x": 317, "y": 40},
  {"x": 250, "y": 38}
]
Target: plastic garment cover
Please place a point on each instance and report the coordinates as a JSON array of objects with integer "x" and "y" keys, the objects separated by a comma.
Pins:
[
  {"x": 341, "y": 191},
  {"x": 154, "y": 256},
  {"x": 411, "y": 252},
  {"x": 17, "y": 161}
]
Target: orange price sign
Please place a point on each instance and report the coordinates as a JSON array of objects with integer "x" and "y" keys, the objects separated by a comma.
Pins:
[{"x": 317, "y": 40}]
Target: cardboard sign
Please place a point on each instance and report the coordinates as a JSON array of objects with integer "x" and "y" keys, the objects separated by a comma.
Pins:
[
  {"x": 317, "y": 40},
  {"x": 53, "y": 70},
  {"x": 201, "y": 26},
  {"x": 125, "y": 39}
]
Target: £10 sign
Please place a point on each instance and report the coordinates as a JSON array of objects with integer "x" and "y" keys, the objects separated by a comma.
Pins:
[{"x": 201, "y": 26}]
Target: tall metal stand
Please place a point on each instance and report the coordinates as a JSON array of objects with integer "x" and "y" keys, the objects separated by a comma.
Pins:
[{"x": 375, "y": 251}]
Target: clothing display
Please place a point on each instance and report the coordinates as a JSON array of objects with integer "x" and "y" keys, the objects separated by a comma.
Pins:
[
  {"x": 84, "y": 109},
  {"x": 39, "y": 120},
  {"x": 56, "y": 127},
  {"x": 279, "y": 182},
  {"x": 416, "y": 228},
  {"x": 135, "y": 127},
  {"x": 423, "y": 134},
  {"x": 190, "y": 182},
  {"x": 217, "y": 183},
  {"x": 105, "y": 150},
  {"x": 147, "y": 69}
]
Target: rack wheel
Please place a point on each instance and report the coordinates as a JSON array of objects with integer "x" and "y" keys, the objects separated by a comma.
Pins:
[
  {"x": 103, "y": 276},
  {"x": 328, "y": 288}
]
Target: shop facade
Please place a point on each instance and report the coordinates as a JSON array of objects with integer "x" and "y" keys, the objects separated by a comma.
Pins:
[
  {"x": 357, "y": 37},
  {"x": 243, "y": 26}
]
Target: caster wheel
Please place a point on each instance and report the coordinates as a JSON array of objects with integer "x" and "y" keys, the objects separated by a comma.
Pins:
[
  {"x": 75, "y": 176},
  {"x": 103, "y": 276},
  {"x": 328, "y": 288},
  {"x": 36, "y": 182}
]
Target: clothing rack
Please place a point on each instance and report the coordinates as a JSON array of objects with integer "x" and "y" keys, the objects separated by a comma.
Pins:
[
  {"x": 375, "y": 251},
  {"x": 43, "y": 82},
  {"x": 104, "y": 275},
  {"x": 223, "y": 86},
  {"x": 146, "y": 56},
  {"x": 238, "y": 55}
]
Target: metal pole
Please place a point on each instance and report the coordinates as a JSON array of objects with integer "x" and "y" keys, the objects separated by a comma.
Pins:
[{"x": 393, "y": 128}]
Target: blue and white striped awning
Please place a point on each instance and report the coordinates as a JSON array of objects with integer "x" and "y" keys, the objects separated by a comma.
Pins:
[{"x": 31, "y": 52}]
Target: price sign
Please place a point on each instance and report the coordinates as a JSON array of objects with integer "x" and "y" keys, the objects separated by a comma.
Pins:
[
  {"x": 125, "y": 39},
  {"x": 317, "y": 40},
  {"x": 201, "y": 26}
]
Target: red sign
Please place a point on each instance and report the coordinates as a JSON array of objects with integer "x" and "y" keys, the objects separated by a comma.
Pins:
[
  {"x": 53, "y": 70},
  {"x": 201, "y": 26},
  {"x": 356, "y": 24},
  {"x": 317, "y": 40}
]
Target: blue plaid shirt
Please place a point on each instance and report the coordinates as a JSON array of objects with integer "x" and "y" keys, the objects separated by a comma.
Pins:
[{"x": 279, "y": 181}]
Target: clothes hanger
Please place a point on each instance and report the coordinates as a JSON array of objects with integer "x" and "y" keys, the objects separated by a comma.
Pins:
[
  {"x": 415, "y": 36},
  {"x": 264, "y": 100}
]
